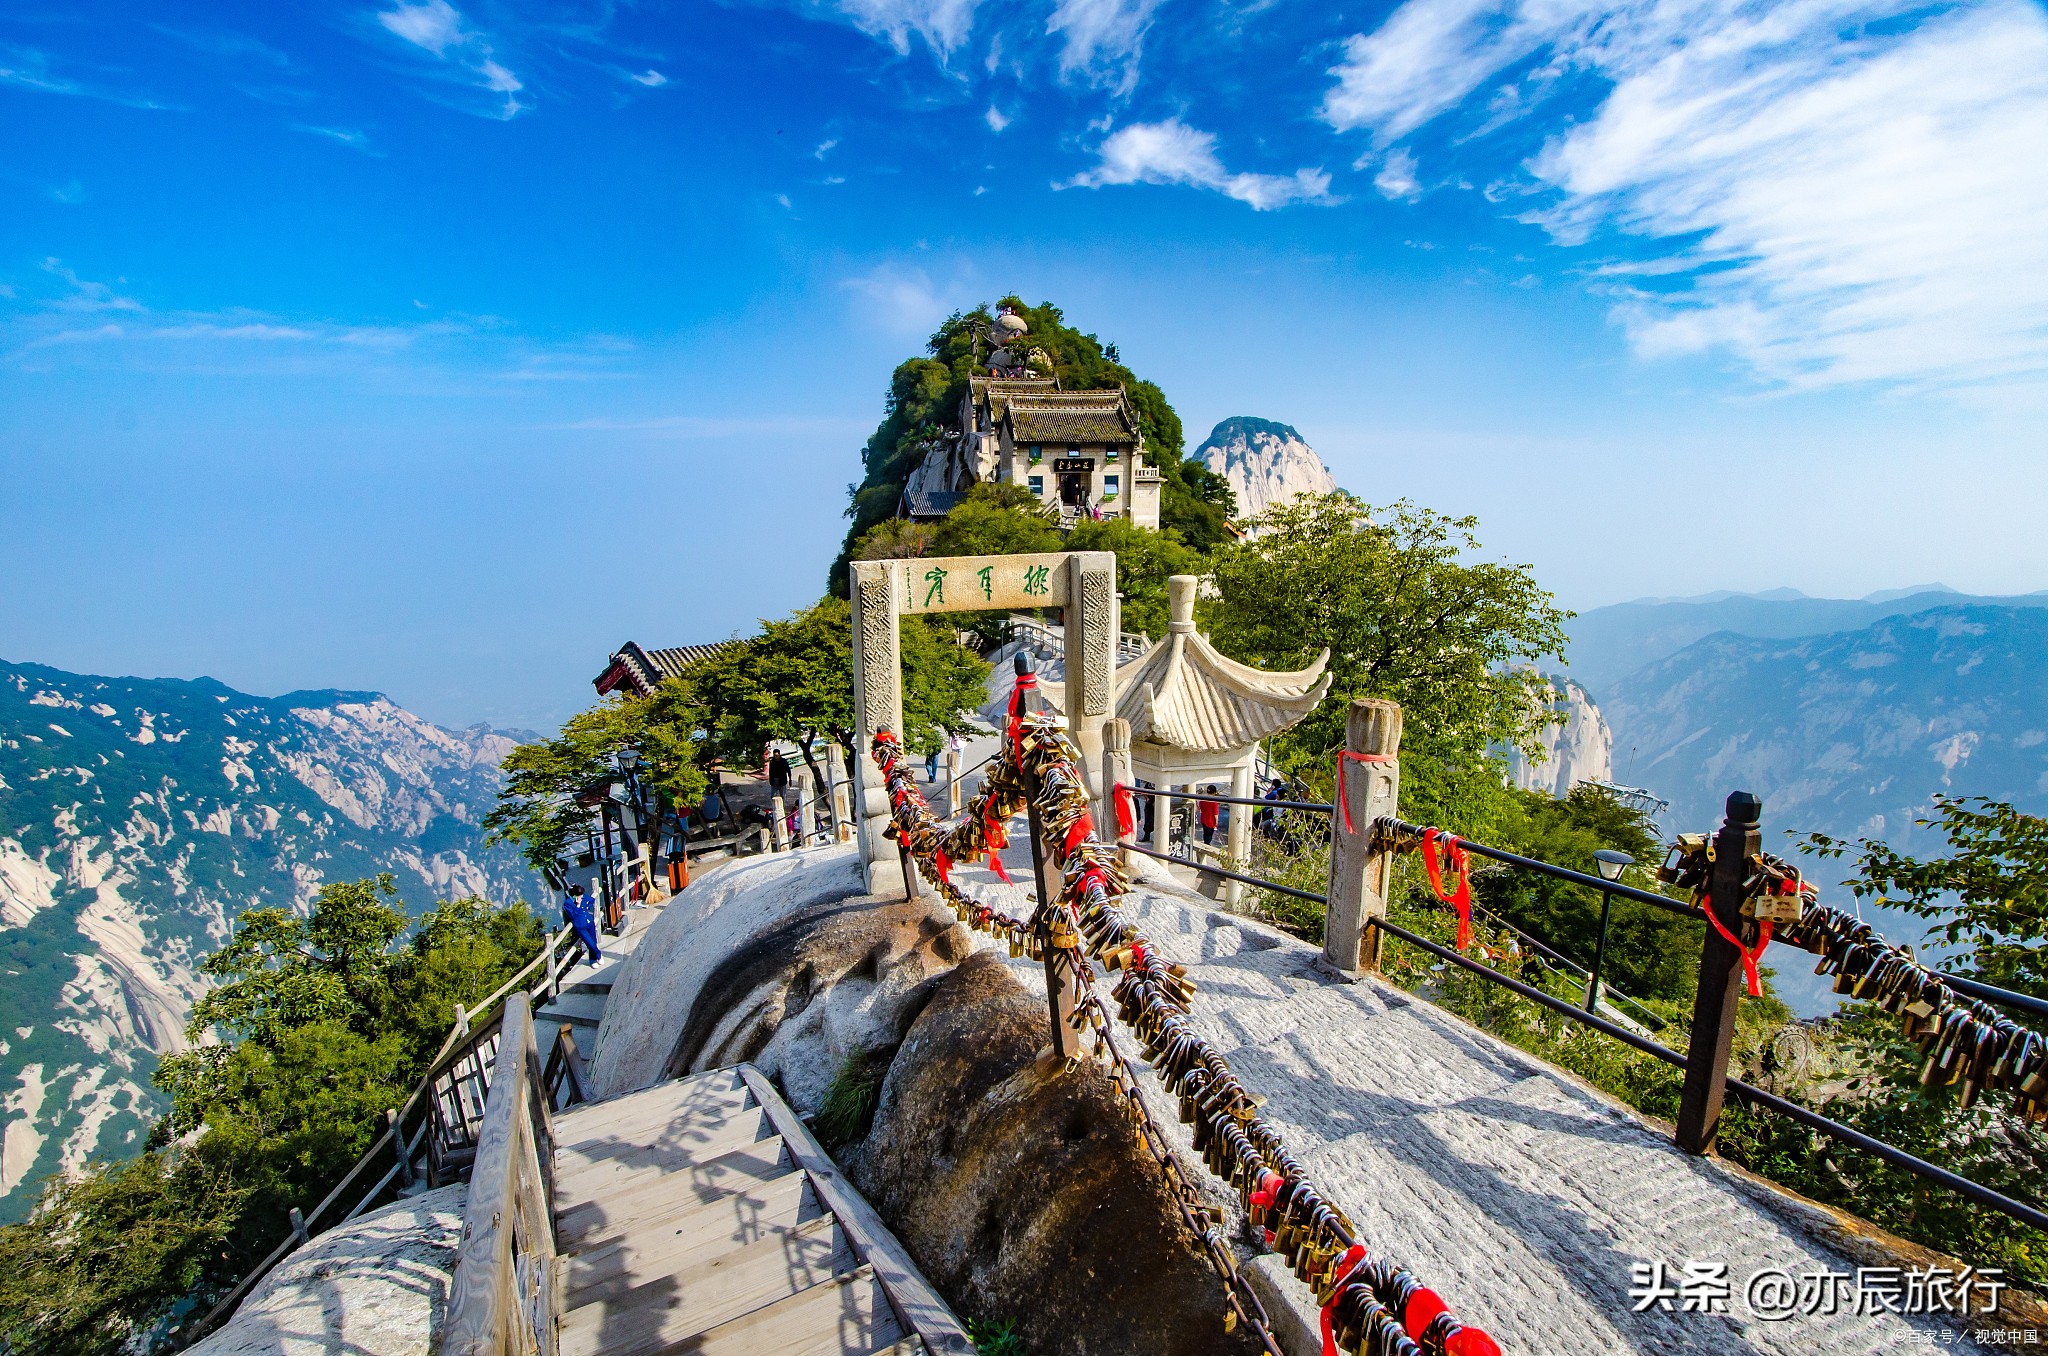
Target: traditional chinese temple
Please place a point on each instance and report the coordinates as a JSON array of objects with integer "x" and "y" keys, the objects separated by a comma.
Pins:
[
  {"x": 632, "y": 669},
  {"x": 1078, "y": 452}
]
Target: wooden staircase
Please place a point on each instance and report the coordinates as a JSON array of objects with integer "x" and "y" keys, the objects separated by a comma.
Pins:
[{"x": 700, "y": 1216}]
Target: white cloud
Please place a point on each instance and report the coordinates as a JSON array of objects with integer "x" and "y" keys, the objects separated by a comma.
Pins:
[
  {"x": 1171, "y": 152},
  {"x": 1396, "y": 178},
  {"x": 1103, "y": 38},
  {"x": 651, "y": 78},
  {"x": 1837, "y": 199},
  {"x": 943, "y": 24},
  {"x": 995, "y": 119},
  {"x": 436, "y": 26},
  {"x": 86, "y": 295},
  {"x": 825, "y": 148},
  {"x": 898, "y": 301},
  {"x": 347, "y": 136}
]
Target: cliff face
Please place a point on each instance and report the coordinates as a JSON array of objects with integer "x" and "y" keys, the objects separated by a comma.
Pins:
[
  {"x": 139, "y": 818},
  {"x": 1266, "y": 463},
  {"x": 1579, "y": 750}
]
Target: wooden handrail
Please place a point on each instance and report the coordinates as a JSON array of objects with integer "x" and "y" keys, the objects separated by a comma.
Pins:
[
  {"x": 501, "y": 1300},
  {"x": 461, "y": 1038}
]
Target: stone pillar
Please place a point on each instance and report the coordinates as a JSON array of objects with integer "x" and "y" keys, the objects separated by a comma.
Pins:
[
  {"x": 835, "y": 774},
  {"x": 1116, "y": 767},
  {"x": 1238, "y": 841},
  {"x": 877, "y": 704},
  {"x": 1162, "y": 819},
  {"x": 1091, "y": 662},
  {"x": 1361, "y": 867}
]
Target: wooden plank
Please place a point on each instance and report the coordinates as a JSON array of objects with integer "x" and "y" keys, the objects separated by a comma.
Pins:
[
  {"x": 616, "y": 1185},
  {"x": 660, "y": 1311},
  {"x": 655, "y": 1195},
  {"x": 721, "y": 1088},
  {"x": 733, "y": 1222},
  {"x": 923, "y": 1312},
  {"x": 484, "y": 1308},
  {"x": 583, "y": 1168},
  {"x": 848, "y": 1315}
]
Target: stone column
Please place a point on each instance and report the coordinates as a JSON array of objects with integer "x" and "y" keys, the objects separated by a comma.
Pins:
[
  {"x": 1361, "y": 866},
  {"x": 1238, "y": 841},
  {"x": 1091, "y": 662},
  {"x": 1116, "y": 767},
  {"x": 877, "y": 704},
  {"x": 1162, "y": 819}
]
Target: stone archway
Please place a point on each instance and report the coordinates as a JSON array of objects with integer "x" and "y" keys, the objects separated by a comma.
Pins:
[{"x": 885, "y": 591}]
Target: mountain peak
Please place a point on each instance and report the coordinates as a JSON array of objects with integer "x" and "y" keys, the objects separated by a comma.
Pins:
[{"x": 1265, "y": 461}]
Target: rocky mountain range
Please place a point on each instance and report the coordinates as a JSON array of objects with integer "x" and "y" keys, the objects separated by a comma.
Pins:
[
  {"x": 1581, "y": 749},
  {"x": 139, "y": 817},
  {"x": 1266, "y": 463}
]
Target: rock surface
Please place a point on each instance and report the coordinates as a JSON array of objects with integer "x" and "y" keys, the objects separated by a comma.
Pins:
[
  {"x": 375, "y": 1286},
  {"x": 695, "y": 936},
  {"x": 1266, "y": 463},
  {"x": 1579, "y": 750},
  {"x": 1020, "y": 1189}
]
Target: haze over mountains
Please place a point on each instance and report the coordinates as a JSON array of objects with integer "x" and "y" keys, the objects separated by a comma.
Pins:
[{"x": 139, "y": 818}]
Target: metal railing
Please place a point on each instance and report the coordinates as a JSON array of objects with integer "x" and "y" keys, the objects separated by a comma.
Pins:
[
  {"x": 447, "y": 1105},
  {"x": 1375, "y": 839}
]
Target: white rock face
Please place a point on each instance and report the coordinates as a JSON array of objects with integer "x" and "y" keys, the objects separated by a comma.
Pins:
[
  {"x": 376, "y": 1286},
  {"x": 1581, "y": 749},
  {"x": 1266, "y": 463}
]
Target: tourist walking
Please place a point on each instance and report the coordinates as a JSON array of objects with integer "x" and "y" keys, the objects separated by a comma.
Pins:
[
  {"x": 581, "y": 920},
  {"x": 1208, "y": 814}
]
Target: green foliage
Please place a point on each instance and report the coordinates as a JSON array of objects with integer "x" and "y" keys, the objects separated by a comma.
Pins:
[
  {"x": 895, "y": 539},
  {"x": 538, "y": 807},
  {"x": 323, "y": 1023},
  {"x": 1406, "y": 615},
  {"x": 1144, "y": 562},
  {"x": 923, "y": 406},
  {"x": 995, "y": 1339},
  {"x": 996, "y": 520},
  {"x": 850, "y": 1103},
  {"x": 111, "y": 1252},
  {"x": 1989, "y": 894}
]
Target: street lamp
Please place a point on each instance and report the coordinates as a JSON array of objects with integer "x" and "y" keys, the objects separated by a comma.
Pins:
[{"x": 1610, "y": 864}]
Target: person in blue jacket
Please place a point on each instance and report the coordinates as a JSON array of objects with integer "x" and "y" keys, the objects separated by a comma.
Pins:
[{"x": 582, "y": 920}]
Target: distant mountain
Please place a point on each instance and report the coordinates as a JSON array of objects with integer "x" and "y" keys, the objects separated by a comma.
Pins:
[
  {"x": 1608, "y": 643},
  {"x": 139, "y": 818},
  {"x": 1266, "y": 463}
]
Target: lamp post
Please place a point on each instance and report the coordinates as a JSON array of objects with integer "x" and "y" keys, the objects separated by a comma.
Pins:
[{"x": 1611, "y": 864}]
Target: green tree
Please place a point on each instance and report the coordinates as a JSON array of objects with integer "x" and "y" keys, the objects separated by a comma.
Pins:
[
  {"x": 323, "y": 1022},
  {"x": 1406, "y": 615},
  {"x": 112, "y": 1252},
  {"x": 1144, "y": 562},
  {"x": 551, "y": 785},
  {"x": 1987, "y": 895},
  {"x": 996, "y": 520}
]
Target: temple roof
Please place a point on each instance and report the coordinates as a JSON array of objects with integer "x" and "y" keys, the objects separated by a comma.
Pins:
[
  {"x": 1068, "y": 417},
  {"x": 1186, "y": 694},
  {"x": 643, "y": 671}
]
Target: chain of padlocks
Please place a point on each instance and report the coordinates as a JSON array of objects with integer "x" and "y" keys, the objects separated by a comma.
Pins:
[
  {"x": 1965, "y": 1040},
  {"x": 1370, "y": 1305}
]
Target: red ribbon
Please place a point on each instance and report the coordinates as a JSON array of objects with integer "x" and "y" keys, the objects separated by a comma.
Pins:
[
  {"x": 1014, "y": 731},
  {"x": 1470, "y": 1342},
  {"x": 1750, "y": 955},
  {"x": 1461, "y": 898},
  {"x": 1270, "y": 1183},
  {"x": 1126, "y": 815},
  {"x": 995, "y": 864},
  {"x": 1078, "y": 833},
  {"x": 943, "y": 864},
  {"x": 1425, "y": 1304},
  {"x": 1353, "y": 1258},
  {"x": 1344, "y": 801}
]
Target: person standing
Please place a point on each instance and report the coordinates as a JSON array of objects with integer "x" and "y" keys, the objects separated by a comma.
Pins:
[
  {"x": 1208, "y": 814},
  {"x": 581, "y": 920},
  {"x": 778, "y": 774},
  {"x": 931, "y": 766}
]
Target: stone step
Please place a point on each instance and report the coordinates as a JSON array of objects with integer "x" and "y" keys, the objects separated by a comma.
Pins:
[{"x": 574, "y": 1009}]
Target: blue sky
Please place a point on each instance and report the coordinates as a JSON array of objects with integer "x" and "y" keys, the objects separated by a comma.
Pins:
[{"x": 438, "y": 348}]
